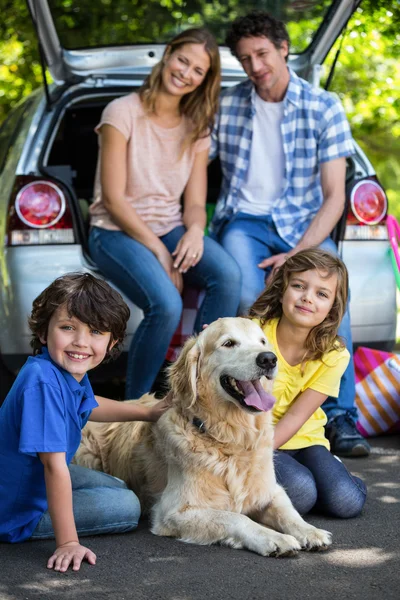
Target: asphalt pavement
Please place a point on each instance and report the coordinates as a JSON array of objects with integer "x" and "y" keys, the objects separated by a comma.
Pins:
[{"x": 362, "y": 564}]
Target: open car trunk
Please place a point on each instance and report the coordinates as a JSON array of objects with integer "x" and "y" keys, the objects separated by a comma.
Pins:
[{"x": 82, "y": 39}]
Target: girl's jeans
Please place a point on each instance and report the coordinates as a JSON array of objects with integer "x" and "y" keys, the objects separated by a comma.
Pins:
[
  {"x": 315, "y": 478},
  {"x": 102, "y": 504},
  {"x": 134, "y": 269}
]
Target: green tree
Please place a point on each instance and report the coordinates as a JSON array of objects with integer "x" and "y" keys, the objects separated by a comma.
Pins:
[
  {"x": 367, "y": 78},
  {"x": 20, "y": 70}
]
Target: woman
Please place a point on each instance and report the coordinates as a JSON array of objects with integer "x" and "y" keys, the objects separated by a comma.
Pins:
[{"x": 154, "y": 148}]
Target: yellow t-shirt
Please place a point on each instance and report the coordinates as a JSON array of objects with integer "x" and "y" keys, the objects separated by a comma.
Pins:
[{"x": 320, "y": 375}]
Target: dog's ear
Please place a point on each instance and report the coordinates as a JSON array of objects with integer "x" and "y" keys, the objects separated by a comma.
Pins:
[{"x": 183, "y": 373}]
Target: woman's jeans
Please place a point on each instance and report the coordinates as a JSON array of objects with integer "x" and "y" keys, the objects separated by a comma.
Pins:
[
  {"x": 250, "y": 239},
  {"x": 315, "y": 478},
  {"x": 101, "y": 504},
  {"x": 134, "y": 269}
]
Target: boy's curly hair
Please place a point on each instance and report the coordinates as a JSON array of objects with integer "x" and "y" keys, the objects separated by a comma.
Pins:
[
  {"x": 89, "y": 299},
  {"x": 257, "y": 24},
  {"x": 323, "y": 337}
]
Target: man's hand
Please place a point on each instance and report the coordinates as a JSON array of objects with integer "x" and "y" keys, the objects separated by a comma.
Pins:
[
  {"x": 70, "y": 553},
  {"x": 274, "y": 262}
]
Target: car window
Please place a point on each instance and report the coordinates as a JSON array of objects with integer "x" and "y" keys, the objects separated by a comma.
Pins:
[
  {"x": 84, "y": 23},
  {"x": 10, "y": 128}
]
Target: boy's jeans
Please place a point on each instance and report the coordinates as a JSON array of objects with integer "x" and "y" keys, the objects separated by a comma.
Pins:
[{"x": 102, "y": 504}]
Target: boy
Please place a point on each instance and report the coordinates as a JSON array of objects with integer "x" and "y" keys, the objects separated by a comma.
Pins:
[{"x": 76, "y": 322}]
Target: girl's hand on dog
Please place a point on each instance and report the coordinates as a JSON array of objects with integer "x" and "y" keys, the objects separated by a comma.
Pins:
[
  {"x": 189, "y": 249},
  {"x": 71, "y": 553}
]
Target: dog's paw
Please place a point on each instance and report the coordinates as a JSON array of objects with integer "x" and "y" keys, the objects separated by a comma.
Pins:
[
  {"x": 279, "y": 544},
  {"x": 289, "y": 546},
  {"x": 315, "y": 539}
]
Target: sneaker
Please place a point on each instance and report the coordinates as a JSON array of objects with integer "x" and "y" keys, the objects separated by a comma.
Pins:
[{"x": 344, "y": 437}]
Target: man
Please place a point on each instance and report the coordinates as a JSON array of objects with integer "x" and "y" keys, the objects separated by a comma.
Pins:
[{"x": 283, "y": 146}]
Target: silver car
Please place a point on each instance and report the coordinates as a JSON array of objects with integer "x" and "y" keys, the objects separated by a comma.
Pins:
[{"x": 48, "y": 152}]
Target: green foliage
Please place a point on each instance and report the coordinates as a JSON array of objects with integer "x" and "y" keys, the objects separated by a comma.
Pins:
[
  {"x": 367, "y": 76},
  {"x": 20, "y": 70}
]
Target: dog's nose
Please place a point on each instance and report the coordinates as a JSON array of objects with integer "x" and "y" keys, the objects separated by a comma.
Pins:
[{"x": 266, "y": 360}]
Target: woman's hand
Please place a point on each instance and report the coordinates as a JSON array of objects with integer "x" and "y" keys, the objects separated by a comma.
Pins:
[
  {"x": 167, "y": 262},
  {"x": 70, "y": 553},
  {"x": 189, "y": 249}
]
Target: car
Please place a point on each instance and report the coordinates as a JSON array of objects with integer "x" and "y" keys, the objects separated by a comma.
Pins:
[{"x": 48, "y": 152}]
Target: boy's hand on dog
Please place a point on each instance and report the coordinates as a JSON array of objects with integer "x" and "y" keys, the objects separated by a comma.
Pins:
[
  {"x": 71, "y": 553},
  {"x": 162, "y": 406}
]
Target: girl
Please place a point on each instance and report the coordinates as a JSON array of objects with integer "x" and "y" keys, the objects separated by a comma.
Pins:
[
  {"x": 300, "y": 312},
  {"x": 77, "y": 322},
  {"x": 154, "y": 148}
]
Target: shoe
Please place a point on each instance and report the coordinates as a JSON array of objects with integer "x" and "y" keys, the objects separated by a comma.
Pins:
[{"x": 344, "y": 437}]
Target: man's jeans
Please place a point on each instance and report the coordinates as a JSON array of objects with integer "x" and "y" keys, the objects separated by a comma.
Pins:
[
  {"x": 101, "y": 503},
  {"x": 140, "y": 276},
  {"x": 250, "y": 239}
]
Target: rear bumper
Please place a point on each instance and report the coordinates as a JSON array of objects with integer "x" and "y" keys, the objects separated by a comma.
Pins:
[{"x": 28, "y": 270}]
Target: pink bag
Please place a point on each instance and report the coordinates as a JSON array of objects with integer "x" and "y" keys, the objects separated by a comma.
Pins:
[
  {"x": 393, "y": 228},
  {"x": 377, "y": 391}
]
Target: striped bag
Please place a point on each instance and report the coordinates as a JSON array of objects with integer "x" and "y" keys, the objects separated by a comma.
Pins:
[{"x": 377, "y": 391}]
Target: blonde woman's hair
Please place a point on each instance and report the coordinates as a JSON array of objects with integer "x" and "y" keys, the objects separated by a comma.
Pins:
[
  {"x": 323, "y": 337},
  {"x": 201, "y": 105}
]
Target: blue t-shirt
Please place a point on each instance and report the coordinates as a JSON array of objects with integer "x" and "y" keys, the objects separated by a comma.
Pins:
[{"x": 44, "y": 411}]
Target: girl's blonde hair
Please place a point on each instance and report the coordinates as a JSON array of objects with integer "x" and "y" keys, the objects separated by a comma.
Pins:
[
  {"x": 323, "y": 337},
  {"x": 201, "y": 105}
]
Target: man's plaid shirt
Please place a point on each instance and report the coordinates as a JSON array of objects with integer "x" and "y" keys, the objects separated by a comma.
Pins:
[{"x": 314, "y": 130}]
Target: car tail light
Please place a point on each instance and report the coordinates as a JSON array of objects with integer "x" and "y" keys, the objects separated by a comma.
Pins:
[
  {"x": 39, "y": 214},
  {"x": 40, "y": 204},
  {"x": 368, "y": 202},
  {"x": 367, "y": 211}
]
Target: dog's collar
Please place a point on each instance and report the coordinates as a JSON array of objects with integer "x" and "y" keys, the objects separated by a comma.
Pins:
[{"x": 199, "y": 424}]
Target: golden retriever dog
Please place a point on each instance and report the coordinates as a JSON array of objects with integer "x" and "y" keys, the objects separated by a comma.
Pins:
[{"x": 205, "y": 469}]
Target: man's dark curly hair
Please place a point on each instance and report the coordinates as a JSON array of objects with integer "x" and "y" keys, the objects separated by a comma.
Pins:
[
  {"x": 257, "y": 24},
  {"x": 87, "y": 298}
]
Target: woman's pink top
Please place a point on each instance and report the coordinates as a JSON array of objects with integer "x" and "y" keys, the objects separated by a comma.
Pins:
[{"x": 157, "y": 171}]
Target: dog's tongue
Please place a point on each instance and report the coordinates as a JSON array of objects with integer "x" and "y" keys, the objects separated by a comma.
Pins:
[{"x": 256, "y": 396}]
